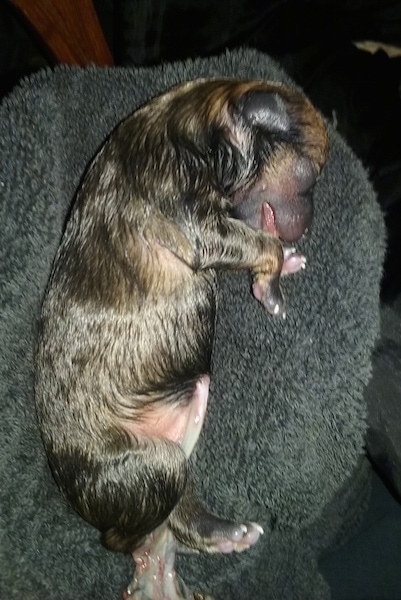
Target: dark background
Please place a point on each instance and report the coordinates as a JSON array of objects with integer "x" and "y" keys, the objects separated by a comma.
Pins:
[{"x": 357, "y": 91}]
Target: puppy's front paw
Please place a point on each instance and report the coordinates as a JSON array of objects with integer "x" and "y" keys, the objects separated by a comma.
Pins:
[
  {"x": 293, "y": 261},
  {"x": 267, "y": 291}
]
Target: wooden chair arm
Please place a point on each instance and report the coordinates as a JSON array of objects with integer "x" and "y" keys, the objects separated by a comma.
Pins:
[{"x": 69, "y": 28}]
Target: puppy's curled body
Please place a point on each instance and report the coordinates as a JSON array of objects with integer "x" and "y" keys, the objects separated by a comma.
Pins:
[{"x": 127, "y": 326}]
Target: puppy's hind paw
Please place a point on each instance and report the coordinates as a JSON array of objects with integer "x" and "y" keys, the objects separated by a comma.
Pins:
[{"x": 242, "y": 537}]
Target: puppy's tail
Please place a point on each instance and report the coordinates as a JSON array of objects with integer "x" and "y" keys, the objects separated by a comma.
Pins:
[{"x": 125, "y": 491}]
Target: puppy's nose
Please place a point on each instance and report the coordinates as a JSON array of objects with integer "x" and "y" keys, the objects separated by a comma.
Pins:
[{"x": 266, "y": 110}]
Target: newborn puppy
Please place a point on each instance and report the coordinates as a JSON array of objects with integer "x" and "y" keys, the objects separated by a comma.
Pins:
[{"x": 207, "y": 176}]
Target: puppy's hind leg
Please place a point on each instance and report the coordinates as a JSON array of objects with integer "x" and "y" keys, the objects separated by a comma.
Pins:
[
  {"x": 155, "y": 577},
  {"x": 192, "y": 523}
]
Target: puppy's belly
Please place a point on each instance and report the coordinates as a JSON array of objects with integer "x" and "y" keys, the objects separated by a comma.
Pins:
[{"x": 179, "y": 422}]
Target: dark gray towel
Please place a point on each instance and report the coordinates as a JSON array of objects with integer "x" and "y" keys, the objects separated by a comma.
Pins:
[{"x": 284, "y": 436}]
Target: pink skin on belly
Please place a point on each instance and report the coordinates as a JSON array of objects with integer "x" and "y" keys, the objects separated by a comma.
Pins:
[{"x": 175, "y": 422}]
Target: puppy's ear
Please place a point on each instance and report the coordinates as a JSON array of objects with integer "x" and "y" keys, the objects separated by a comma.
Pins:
[
  {"x": 266, "y": 110},
  {"x": 233, "y": 147}
]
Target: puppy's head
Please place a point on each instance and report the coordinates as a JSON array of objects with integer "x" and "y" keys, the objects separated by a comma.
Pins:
[{"x": 262, "y": 144}]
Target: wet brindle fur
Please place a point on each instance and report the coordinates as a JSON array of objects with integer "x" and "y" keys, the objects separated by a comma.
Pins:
[{"x": 129, "y": 313}]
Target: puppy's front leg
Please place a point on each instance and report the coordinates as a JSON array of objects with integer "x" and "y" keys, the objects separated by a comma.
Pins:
[{"x": 227, "y": 243}]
